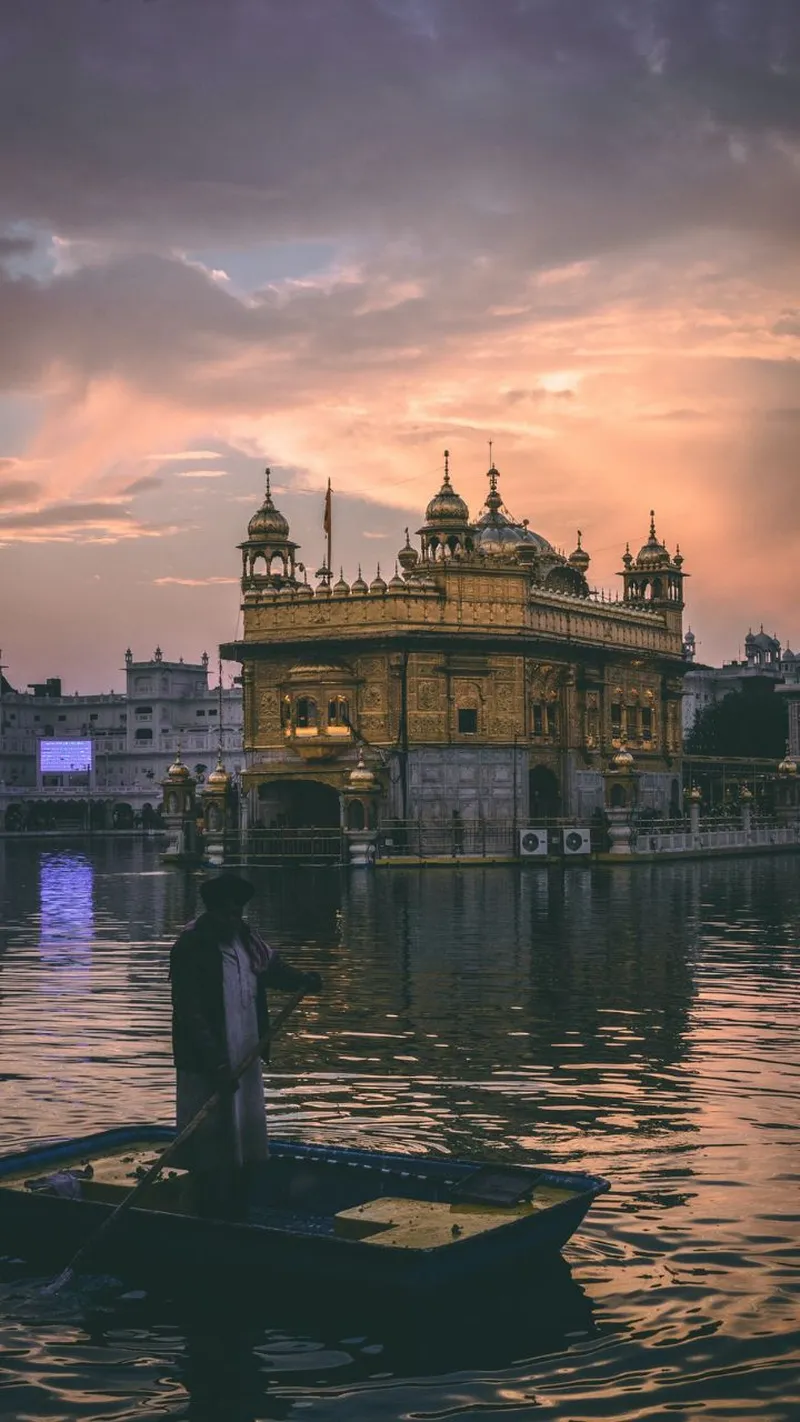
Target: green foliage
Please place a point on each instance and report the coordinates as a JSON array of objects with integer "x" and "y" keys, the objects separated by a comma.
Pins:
[{"x": 753, "y": 722}]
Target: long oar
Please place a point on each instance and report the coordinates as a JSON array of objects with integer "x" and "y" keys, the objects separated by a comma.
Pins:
[{"x": 166, "y": 1156}]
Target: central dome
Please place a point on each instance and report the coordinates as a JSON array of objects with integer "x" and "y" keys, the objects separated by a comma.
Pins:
[{"x": 497, "y": 534}]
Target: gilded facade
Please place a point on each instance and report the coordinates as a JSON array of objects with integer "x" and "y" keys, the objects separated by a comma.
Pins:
[{"x": 483, "y": 680}]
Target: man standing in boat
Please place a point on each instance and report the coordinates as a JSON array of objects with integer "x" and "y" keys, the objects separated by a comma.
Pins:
[{"x": 220, "y": 969}]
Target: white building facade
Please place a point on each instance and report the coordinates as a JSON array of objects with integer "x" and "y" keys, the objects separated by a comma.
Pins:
[
  {"x": 134, "y": 735},
  {"x": 763, "y": 661}
]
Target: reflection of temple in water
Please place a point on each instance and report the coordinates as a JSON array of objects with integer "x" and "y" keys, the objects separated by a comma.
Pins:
[
  {"x": 483, "y": 680},
  {"x": 569, "y": 948}
]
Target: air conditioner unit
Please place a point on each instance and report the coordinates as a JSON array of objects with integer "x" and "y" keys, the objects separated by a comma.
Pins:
[
  {"x": 532, "y": 841},
  {"x": 577, "y": 841}
]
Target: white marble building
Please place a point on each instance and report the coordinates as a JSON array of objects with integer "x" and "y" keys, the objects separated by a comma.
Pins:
[{"x": 166, "y": 706}]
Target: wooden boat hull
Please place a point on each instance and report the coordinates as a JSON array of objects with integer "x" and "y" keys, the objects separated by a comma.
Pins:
[{"x": 293, "y": 1235}]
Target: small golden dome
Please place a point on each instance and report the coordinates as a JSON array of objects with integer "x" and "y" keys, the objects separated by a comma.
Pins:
[
  {"x": 623, "y": 760},
  {"x": 652, "y": 554},
  {"x": 378, "y": 584},
  {"x": 745, "y": 793},
  {"x": 361, "y": 777},
  {"x": 267, "y": 522},
  {"x": 580, "y": 558},
  {"x": 447, "y": 506},
  {"x": 788, "y": 766},
  {"x": 178, "y": 771},
  {"x": 219, "y": 776},
  {"x": 408, "y": 557},
  {"x": 695, "y": 795},
  {"x": 359, "y": 587}
]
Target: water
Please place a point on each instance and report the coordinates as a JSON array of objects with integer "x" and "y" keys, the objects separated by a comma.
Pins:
[{"x": 639, "y": 1022}]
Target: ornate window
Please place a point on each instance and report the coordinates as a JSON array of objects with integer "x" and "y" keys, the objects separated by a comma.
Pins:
[
  {"x": 544, "y": 718},
  {"x": 306, "y": 713},
  {"x": 339, "y": 711},
  {"x": 467, "y": 720}
]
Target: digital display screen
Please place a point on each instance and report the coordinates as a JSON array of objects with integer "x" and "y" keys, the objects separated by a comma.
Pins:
[{"x": 64, "y": 757}]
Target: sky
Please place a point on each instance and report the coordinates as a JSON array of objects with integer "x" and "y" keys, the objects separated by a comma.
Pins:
[{"x": 336, "y": 237}]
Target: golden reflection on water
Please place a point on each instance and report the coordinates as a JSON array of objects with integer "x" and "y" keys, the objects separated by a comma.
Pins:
[{"x": 641, "y": 1023}]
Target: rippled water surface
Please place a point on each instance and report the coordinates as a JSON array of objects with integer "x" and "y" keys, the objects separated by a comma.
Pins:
[{"x": 638, "y": 1022}]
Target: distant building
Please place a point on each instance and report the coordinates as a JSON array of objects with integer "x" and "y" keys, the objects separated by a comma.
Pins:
[
  {"x": 790, "y": 669},
  {"x": 763, "y": 664},
  {"x": 133, "y": 737},
  {"x": 484, "y": 680}
]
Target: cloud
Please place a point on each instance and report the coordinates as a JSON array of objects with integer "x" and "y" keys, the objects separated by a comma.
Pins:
[
  {"x": 15, "y": 247},
  {"x": 143, "y": 485},
  {"x": 566, "y": 226},
  {"x": 201, "y": 474},
  {"x": 788, "y": 324},
  {"x": 18, "y": 491},
  {"x": 182, "y": 454},
  {"x": 99, "y": 521},
  {"x": 193, "y": 582}
]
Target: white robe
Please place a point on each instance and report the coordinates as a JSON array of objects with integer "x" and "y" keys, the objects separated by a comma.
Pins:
[{"x": 236, "y": 1132}]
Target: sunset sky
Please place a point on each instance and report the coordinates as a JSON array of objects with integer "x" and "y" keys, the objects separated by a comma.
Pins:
[{"x": 336, "y": 236}]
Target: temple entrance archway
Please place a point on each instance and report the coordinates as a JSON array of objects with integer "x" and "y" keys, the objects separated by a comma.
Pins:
[
  {"x": 544, "y": 794},
  {"x": 298, "y": 804}
]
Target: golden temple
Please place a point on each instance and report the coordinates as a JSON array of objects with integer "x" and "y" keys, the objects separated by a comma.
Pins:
[{"x": 485, "y": 680}]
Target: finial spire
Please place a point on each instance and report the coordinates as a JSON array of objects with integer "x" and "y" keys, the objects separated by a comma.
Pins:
[
  {"x": 268, "y": 494},
  {"x": 447, "y": 466},
  {"x": 579, "y": 538},
  {"x": 408, "y": 540},
  {"x": 653, "y": 525}
]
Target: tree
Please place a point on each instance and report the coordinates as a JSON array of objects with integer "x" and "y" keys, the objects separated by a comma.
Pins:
[{"x": 744, "y": 723}]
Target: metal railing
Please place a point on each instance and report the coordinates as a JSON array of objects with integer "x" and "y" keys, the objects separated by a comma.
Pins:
[
  {"x": 448, "y": 839},
  {"x": 303, "y": 845},
  {"x": 677, "y": 836}
]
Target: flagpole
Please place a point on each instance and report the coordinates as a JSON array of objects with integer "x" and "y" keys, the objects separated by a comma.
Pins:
[{"x": 329, "y": 527}]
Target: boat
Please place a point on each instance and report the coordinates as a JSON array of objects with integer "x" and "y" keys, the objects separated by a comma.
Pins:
[{"x": 316, "y": 1213}]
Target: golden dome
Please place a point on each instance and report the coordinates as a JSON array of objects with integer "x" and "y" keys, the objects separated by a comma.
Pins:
[
  {"x": 408, "y": 557},
  {"x": 652, "y": 554},
  {"x": 695, "y": 795},
  {"x": 496, "y": 533},
  {"x": 745, "y": 793},
  {"x": 268, "y": 523},
  {"x": 623, "y": 760},
  {"x": 361, "y": 777},
  {"x": 219, "y": 777},
  {"x": 580, "y": 558},
  {"x": 447, "y": 507},
  {"x": 378, "y": 584},
  {"x": 178, "y": 771},
  {"x": 788, "y": 765},
  {"x": 359, "y": 587}
]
